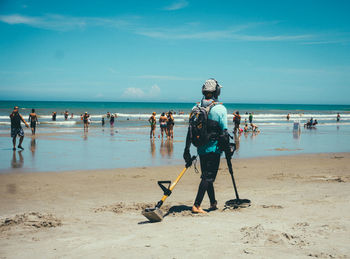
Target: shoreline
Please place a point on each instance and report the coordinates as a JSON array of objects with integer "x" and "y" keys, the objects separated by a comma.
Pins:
[
  {"x": 222, "y": 160},
  {"x": 299, "y": 209}
]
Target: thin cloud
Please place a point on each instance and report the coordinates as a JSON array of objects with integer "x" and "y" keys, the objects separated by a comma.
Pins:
[
  {"x": 165, "y": 77},
  {"x": 176, "y": 5},
  {"x": 63, "y": 23},
  {"x": 138, "y": 93}
]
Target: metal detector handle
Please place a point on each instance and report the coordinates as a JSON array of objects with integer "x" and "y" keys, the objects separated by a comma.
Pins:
[
  {"x": 189, "y": 163},
  {"x": 165, "y": 189}
]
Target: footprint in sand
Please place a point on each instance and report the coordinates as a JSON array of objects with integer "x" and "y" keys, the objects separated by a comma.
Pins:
[{"x": 31, "y": 219}]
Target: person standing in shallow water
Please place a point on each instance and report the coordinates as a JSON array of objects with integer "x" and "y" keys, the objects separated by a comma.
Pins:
[
  {"x": 250, "y": 117},
  {"x": 170, "y": 124},
  {"x": 163, "y": 124},
  {"x": 111, "y": 121},
  {"x": 33, "y": 119},
  {"x": 86, "y": 121},
  {"x": 152, "y": 121},
  {"x": 54, "y": 116},
  {"x": 16, "y": 128}
]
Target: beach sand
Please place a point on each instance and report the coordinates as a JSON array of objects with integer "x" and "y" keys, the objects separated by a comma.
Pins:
[{"x": 300, "y": 209}]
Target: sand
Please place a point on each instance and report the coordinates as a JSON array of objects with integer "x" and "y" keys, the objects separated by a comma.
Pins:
[{"x": 300, "y": 209}]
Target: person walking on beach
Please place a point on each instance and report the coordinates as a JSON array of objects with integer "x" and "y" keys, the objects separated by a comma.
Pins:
[
  {"x": 103, "y": 121},
  {"x": 236, "y": 121},
  {"x": 209, "y": 153},
  {"x": 338, "y": 117},
  {"x": 54, "y": 116},
  {"x": 170, "y": 124},
  {"x": 152, "y": 121},
  {"x": 33, "y": 119},
  {"x": 288, "y": 116},
  {"x": 86, "y": 121},
  {"x": 16, "y": 128},
  {"x": 250, "y": 117},
  {"x": 163, "y": 124}
]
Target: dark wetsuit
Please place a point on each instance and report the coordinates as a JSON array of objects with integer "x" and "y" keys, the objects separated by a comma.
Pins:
[
  {"x": 16, "y": 128},
  {"x": 54, "y": 117}
]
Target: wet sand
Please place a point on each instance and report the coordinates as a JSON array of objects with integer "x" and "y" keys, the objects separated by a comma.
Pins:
[{"x": 300, "y": 209}]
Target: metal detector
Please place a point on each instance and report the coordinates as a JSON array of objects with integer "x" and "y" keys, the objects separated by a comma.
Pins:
[{"x": 235, "y": 203}]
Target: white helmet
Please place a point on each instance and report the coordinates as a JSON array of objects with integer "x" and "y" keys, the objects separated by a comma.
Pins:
[{"x": 212, "y": 86}]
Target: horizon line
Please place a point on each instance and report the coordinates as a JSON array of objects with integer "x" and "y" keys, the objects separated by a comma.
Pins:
[{"x": 274, "y": 103}]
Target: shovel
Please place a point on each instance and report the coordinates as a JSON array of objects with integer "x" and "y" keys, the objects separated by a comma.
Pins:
[{"x": 155, "y": 214}]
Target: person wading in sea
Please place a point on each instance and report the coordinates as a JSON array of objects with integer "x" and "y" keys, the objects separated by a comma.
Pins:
[
  {"x": 33, "y": 119},
  {"x": 152, "y": 121},
  {"x": 16, "y": 128}
]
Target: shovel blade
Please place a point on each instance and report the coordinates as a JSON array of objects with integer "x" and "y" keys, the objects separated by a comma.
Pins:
[{"x": 153, "y": 215}]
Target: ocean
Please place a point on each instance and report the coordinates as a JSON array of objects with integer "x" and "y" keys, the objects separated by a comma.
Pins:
[{"x": 63, "y": 145}]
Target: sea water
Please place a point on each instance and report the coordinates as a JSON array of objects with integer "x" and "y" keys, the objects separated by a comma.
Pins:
[{"x": 63, "y": 145}]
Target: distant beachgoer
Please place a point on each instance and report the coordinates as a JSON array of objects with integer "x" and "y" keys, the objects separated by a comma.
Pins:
[
  {"x": 288, "y": 116},
  {"x": 103, "y": 121},
  {"x": 54, "y": 116},
  {"x": 86, "y": 121},
  {"x": 338, "y": 117},
  {"x": 71, "y": 115},
  {"x": 33, "y": 119},
  {"x": 310, "y": 123},
  {"x": 16, "y": 128},
  {"x": 170, "y": 124},
  {"x": 66, "y": 114},
  {"x": 108, "y": 115},
  {"x": 236, "y": 121},
  {"x": 153, "y": 122},
  {"x": 163, "y": 124},
  {"x": 254, "y": 127},
  {"x": 250, "y": 117},
  {"x": 246, "y": 128},
  {"x": 111, "y": 121}
]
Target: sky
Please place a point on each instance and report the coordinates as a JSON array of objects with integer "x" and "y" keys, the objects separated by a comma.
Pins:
[{"x": 163, "y": 51}]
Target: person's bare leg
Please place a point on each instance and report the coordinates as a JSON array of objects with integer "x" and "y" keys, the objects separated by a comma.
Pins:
[
  {"x": 14, "y": 142},
  {"x": 20, "y": 142}
]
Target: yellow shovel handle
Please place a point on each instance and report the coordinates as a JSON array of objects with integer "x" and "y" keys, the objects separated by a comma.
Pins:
[{"x": 174, "y": 183}]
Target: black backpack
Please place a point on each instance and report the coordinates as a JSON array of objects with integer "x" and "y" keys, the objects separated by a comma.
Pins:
[{"x": 198, "y": 125}]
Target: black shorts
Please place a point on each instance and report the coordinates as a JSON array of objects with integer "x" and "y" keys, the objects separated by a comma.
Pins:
[
  {"x": 17, "y": 131},
  {"x": 209, "y": 166},
  {"x": 33, "y": 124}
]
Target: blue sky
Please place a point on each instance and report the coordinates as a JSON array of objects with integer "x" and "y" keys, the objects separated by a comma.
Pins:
[{"x": 260, "y": 51}]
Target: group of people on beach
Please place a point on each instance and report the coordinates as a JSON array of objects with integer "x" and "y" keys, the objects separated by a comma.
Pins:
[
  {"x": 251, "y": 127},
  {"x": 166, "y": 123}
]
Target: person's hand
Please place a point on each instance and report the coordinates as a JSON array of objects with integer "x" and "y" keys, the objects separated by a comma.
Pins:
[
  {"x": 187, "y": 157},
  {"x": 27, "y": 125}
]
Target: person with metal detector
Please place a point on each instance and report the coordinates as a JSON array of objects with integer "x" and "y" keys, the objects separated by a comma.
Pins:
[{"x": 207, "y": 130}]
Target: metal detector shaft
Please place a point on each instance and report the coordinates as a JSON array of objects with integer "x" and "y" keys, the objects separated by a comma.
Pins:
[{"x": 229, "y": 165}]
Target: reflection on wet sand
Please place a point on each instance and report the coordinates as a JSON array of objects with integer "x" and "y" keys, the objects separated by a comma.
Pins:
[
  {"x": 167, "y": 148},
  {"x": 153, "y": 148},
  {"x": 237, "y": 139},
  {"x": 33, "y": 146},
  {"x": 14, "y": 162}
]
